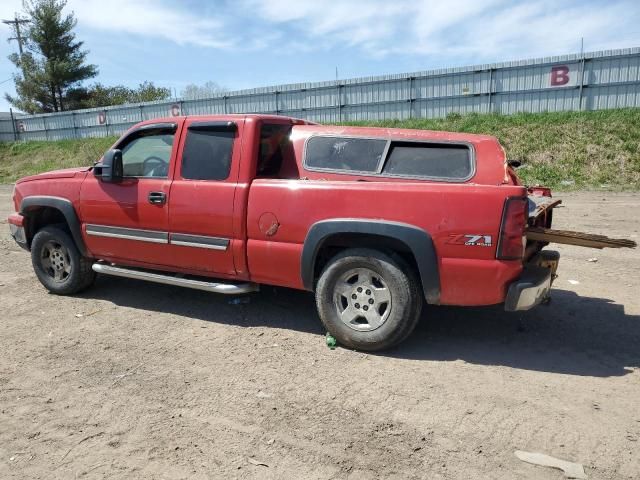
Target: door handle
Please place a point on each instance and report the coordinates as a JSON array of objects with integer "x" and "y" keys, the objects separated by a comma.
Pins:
[{"x": 157, "y": 198}]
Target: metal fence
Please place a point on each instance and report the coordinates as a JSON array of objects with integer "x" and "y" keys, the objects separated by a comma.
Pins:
[{"x": 590, "y": 81}]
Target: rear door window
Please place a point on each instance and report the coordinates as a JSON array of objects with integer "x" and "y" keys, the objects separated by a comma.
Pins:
[
  {"x": 207, "y": 154},
  {"x": 430, "y": 160},
  {"x": 344, "y": 153}
]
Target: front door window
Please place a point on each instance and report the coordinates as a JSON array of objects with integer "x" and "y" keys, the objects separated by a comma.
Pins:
[{"x": 147, "y": 156}]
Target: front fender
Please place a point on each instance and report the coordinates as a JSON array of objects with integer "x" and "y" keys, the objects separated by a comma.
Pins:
[{"x": 29, "y": 204}]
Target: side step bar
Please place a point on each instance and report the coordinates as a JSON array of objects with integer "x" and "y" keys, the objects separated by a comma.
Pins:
[{"x": 168, "y": 279}]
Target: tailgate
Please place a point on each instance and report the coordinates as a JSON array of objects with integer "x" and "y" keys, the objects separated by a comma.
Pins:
[
  {"x": 591, "y": 240},
  {"x": 540, "y": 209},
  {"x": 540, "y": 233},
  {"x": 541, "y": 205}
]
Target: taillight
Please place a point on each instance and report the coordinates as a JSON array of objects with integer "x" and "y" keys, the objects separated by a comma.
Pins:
[{"x": 514, "y": 221}]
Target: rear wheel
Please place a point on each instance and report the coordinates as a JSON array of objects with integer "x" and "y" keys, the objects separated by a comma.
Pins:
[
  {"x": 368, "y": 300},
  {"x": 58, "y": 264}
]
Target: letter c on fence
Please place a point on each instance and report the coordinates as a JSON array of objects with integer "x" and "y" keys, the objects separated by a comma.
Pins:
[
  {"x": 559, "y": 75},
  {"x": 21, "y": 126},
  {"x": 175, "y": 109},
  {"x": 102, "y": 118}
]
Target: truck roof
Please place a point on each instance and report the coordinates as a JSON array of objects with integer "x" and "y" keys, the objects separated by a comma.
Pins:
[
  {"x": 231, "y": 116},
  {"x": 307, "y": 127},
  {"x": 393, "y": 133}
]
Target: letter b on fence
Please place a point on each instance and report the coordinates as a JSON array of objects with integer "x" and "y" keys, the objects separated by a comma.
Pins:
[{"x": 559, "y": 76}]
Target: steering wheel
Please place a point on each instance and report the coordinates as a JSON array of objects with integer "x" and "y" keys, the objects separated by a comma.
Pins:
[{"x": 154, "y": 167}]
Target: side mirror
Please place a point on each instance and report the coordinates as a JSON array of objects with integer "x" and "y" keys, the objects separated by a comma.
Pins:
[{"x": 110, "y": 169}]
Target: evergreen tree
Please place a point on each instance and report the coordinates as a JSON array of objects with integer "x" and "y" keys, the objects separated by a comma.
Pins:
[{"x": 54, "y": 63}]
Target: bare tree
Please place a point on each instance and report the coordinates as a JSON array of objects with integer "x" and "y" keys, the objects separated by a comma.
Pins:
[{"x": 209, "y": 89}]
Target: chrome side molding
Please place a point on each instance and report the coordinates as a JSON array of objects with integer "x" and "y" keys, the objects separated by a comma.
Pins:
[
  {"x": 199, "y": 241},
  {"x": 127, "y": 233},
  {"x": 168, "y": 279},
  {"x": 154, "y": 236}
]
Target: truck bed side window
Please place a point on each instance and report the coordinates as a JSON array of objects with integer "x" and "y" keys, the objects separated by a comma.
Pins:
[
  {"x": 344, "y": 153},
  {"x": 207, "y": 155},
  {"x": 433, "y": 160}
]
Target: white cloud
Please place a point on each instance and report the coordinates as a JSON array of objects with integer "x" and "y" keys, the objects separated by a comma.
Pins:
[
  {"x": 151, "y": 19},
  {"x": 145, "y": 18},
  {"x": 470, "y": 28},
  {"x": 350, "y": 22},
  {"x": 537, "y": 28},
  {"x": 453, "y": 28}
]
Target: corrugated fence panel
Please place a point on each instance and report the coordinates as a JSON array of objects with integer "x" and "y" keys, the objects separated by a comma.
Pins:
[
  {"x": 89, "y": 118},
  {"x": 157, "y": 110},
  {"x": 614, "y": 96},
  {"x": 441, "y": 107},
  {"x": 388, "y": 91},
  {"x": 597, "y": 80},
  {"x": 203, "y": 106},
  {"x": 6, "y": 129},
  {"x": 615, "y": 70},
  {"x": 257, "y": 102},
  {"x": 86, "y": 132},
  {"x": 541, "y": 101},
  {"x": 452, "y": 85}
]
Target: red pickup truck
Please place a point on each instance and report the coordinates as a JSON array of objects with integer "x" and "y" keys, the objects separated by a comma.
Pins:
[{"x": 375, "y": 221}]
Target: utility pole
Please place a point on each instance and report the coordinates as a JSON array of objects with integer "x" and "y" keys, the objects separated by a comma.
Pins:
[{"x": 16, "y": 22}]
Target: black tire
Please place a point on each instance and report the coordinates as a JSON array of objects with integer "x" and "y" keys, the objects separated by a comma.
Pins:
[
  {"x": 341, "y": 295},
  {"x": 58, "y": 263}
]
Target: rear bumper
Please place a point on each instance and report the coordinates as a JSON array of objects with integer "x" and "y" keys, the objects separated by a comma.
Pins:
[
  {"x": 533, "y": 286},
  {"x": 16, "y": 227}
]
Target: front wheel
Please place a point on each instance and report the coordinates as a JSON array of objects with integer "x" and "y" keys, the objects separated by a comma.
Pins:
[
  {"x": 368, "y": 300},
  {"x": 58, "y": 264}
]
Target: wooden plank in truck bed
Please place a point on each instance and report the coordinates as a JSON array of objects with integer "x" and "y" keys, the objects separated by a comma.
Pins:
[{"x": 576, "y": 238}]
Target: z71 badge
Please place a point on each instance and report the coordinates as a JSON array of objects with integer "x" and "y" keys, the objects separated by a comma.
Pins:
[{"x": 470, "y": 240}]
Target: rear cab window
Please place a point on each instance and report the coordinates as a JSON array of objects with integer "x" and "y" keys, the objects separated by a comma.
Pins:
[
  {"x": 276, "y": 157},
  {"x": 453, "y": 162}
]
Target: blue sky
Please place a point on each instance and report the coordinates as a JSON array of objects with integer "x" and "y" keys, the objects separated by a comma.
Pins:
[{"x": 248, "y": 43}]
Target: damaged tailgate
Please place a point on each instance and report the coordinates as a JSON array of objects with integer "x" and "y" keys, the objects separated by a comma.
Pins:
[
  {"x": 541, "y": 205},
  {"x": 591, "y": 240}
]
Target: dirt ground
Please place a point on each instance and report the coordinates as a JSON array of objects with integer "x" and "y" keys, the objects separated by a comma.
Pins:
[{"x": 136, "y": 380}]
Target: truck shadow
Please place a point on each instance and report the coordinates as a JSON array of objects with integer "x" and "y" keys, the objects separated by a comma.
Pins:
[
  {"x": 270, "y": 307},
  {"x": 574, "y": 335}
]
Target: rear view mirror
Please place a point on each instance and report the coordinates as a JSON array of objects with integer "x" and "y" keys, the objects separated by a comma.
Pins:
[{"x": 110, "y": 169}]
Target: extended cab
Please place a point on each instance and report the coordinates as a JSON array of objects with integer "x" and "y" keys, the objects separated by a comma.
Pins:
[{"x": 373, "y": 220}]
